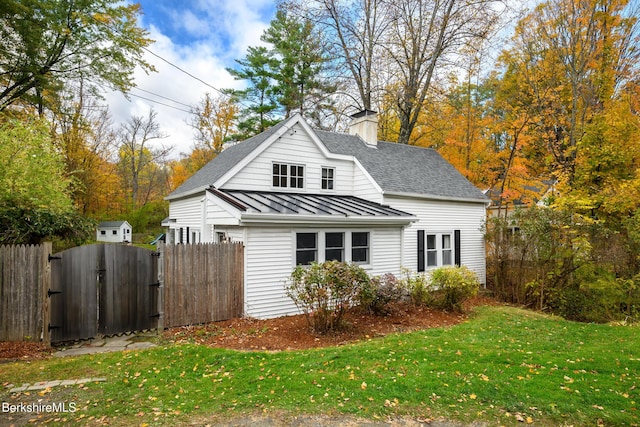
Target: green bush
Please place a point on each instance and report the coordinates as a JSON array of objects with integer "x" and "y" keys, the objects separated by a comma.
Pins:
[
  {"x": 324, "y": 292},
  {"x": 602, "y": 299},
  {"x": 453, "y": 285},
  {"x": 418, "y": 288},
  {"x": 379, "y": 292}
]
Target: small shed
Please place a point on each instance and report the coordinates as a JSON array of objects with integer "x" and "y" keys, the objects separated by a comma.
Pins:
[{"x": 114, "y": 231}]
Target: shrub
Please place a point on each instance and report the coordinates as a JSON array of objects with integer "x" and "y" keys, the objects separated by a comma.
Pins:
[
  {"x": 376, "y": 295},
  {"x": 418, "y": 288},
  {"x": 323, "y": 292},
  {"x": 454, "y": 285}
]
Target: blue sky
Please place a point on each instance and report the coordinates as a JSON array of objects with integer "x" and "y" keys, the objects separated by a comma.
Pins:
[{"x": 202, "y": 37}]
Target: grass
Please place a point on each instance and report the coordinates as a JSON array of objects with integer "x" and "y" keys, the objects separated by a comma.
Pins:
[{"x": 505, "y": 366}]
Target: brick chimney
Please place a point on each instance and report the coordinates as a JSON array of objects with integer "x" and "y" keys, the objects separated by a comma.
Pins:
[{"x": 365, "y": 125}]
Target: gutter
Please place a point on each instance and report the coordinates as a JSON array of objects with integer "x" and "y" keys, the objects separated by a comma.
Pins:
[
  {"x": 485, "y": 202},
  {"x": 187, "y": 194},
  {"x": 255, "y": 218}
]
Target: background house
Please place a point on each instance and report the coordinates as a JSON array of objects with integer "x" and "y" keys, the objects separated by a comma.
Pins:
[
  {"x": 294, "y": 195},
  {"x": 114, "y": 231}
]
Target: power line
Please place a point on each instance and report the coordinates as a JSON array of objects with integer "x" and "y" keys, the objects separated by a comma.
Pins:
[
  {"x": 161, "y": 96},
  {"x": 161, "y": 58},
  {"x": 158, "y": 102},
  {"x": 185, "y": 71},
  {"x": 176, "y": 67}
]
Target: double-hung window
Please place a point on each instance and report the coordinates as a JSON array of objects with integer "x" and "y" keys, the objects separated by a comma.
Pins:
[
  {"x": 438, "y": 249},
  {"x": 306, "y": 248},
  {"x": 285, "y": 175},
  {"x": 334, "y": 247},
  {"x": 360, "y": 247}
]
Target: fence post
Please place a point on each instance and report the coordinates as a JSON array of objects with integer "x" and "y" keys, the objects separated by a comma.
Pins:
[
  {"x": 160, "y": 308},
  {"x": 45, "y": 285}
]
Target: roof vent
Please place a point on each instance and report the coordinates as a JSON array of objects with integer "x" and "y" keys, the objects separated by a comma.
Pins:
[{"x": 365, "y": 125}]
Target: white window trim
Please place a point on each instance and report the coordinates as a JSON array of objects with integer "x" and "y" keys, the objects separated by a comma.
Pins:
[
  {"x": 329, "y": 190},
  {"x": 439, "y": 249},
  {"x": 289, "y": 187},
  {"x": 321, "y": 243}
]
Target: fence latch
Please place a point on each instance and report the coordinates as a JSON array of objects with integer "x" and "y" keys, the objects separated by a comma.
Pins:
[
  {"x": 51, "y": 257},
  {"x": 50, "y": 292}
]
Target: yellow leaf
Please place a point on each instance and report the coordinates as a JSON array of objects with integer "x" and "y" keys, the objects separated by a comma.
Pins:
[
  {"x": 473, "y": 396},
  {"x": 363, "y": 386}
]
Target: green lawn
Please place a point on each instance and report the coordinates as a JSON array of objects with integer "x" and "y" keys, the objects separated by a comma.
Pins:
[{"x": 503, "y": 365}]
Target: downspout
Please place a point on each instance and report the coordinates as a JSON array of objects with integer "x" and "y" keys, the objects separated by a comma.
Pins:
[
  {"x": 203, "y": 220},
  {"x": 402, "y": 241}
]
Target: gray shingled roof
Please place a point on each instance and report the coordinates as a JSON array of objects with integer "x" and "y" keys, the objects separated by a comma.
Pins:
[
  {"x": 397, "y": 168},
  {"x": 110, "y": 224},
  {"x": 403, "y": 168}
]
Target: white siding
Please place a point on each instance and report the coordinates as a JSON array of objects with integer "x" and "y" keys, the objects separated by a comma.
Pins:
[
  {"x": 363, "y": 188},
  {"x": 269, "y": 257},
  {"x": 187, "y": 213},
  {"x": 442, "y": 216},
  {"x": 219, "y": 216},
  {"x": 268, "y": 263},
  {"x": 386, "y": 251},
  {"x": 298, "y": 148}
]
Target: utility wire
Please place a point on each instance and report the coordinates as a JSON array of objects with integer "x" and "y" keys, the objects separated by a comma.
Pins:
[
  {"x": 161, "y": 96},
  {"x": 164, "y": 60},
  {"x": 158, "y": 102},
  {"x": 185, "y": 71},
  {"x": 176, "y": 67}
]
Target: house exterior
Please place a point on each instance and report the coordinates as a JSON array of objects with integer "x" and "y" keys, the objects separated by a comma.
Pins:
[
  {"x": 114, "y": 232},
  {"x": 537, "y": 193},
  {"x": 294, "y": 195}
]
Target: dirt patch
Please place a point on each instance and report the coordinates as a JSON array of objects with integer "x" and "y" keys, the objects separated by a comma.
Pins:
[
  {"x": 12, "y": 351},
  {"x": 293, "y": 332}
]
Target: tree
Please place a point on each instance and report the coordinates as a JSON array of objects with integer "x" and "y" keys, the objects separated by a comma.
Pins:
[
  {"x": 139, "y": 162},
  {"x": 47, "y": 43},
  {"x": 260, "y": 97},
  {"x": 576, "y": 55},
  {"x": 300, "y": 81},
  {"x": 357, "y": 32},
  {"x": 34, "y": 192},
  {"x": 423, "y": 34},
  {"x": 214, "y": 122},
  {"x": 83, "y": 132}
]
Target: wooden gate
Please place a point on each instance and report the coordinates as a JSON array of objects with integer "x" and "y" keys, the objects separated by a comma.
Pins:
[{"x": 102, "y": 289}]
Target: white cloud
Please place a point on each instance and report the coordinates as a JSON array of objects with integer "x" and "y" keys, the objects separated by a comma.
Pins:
[{"x": 220, "y": 32}]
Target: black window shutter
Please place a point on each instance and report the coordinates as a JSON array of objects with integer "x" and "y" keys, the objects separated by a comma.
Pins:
[
  {"x": 456, "y": 246},
  {"x": 420, "y": 250}
]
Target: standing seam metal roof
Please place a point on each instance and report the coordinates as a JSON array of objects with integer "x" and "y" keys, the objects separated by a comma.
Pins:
[{"x": 309, "y": 204}]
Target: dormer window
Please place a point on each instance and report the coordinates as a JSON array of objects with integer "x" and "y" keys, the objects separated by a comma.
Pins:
[
  {"x": 288, "y": 176},
  {"x": 327, "y": 178}
]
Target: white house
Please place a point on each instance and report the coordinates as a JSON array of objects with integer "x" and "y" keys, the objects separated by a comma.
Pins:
[
  {"x": 114, "y": 232},
  {"x": 294, "y": 195}
]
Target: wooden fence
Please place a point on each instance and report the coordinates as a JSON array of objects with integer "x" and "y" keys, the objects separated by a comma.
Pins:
[
  {"x": 202, "y": 283},
  {"x": 25, "y": 278},
  {"x": 197, "y": 283}
]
